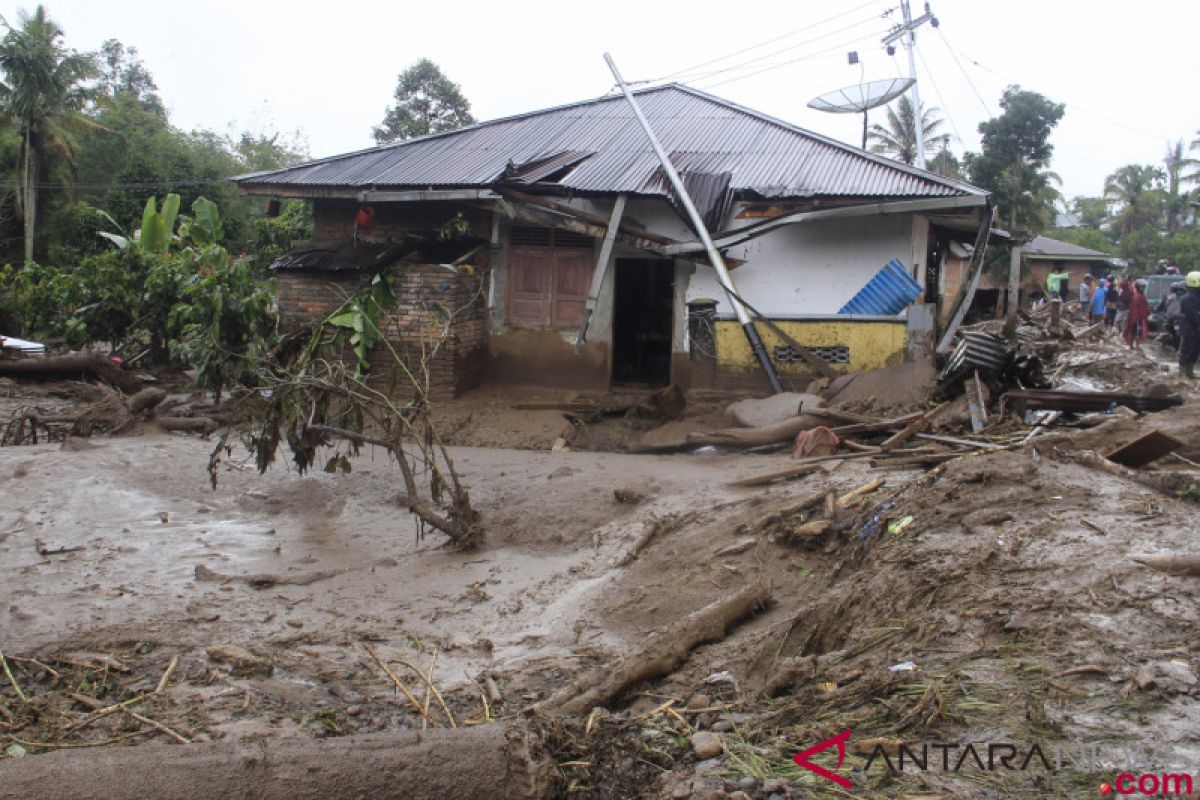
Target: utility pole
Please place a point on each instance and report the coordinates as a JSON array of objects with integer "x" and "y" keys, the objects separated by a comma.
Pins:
[
  {"x": 714, "y": 255},
  {"x": 907, "y": 32}
]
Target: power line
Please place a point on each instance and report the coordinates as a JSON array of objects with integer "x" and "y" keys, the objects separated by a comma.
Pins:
[
  {"x": 810, "y": 56},
  {"x": 763, "y": 44},
  {"x": 942, "y": 100},
  {"x": 759, "y": 59},
  {"x": 970, "y": 83},
  {"x": 1074, "y": 106},
  {"x": 97, "y": 187}
]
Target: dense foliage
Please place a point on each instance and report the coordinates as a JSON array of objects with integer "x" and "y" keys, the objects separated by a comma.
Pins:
[{"x": 426, "y": 102}]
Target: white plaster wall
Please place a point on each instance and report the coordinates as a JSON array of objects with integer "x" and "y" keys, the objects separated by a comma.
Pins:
[{"x": 810, "y": 268}]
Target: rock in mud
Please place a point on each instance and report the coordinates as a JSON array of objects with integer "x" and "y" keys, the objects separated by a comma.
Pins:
[
  {"x": 242, "y": 661},
  {"x": 706, "y": 745}
]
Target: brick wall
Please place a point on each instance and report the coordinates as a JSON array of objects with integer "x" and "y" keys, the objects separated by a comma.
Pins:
[
  {"x": 432, "y": 302},
  {"x": 306, "y": 297}
]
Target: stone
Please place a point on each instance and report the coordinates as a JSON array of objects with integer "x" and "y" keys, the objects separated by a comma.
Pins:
[
  {"x": 241, "y": 660},
  {"x": 739, "y": 795},
  {"x": 775, "y": 786},
  {"x": 699, "y": 700},
  {"x": 747, "y": 784},
  {"x": 706, "y": 745}
]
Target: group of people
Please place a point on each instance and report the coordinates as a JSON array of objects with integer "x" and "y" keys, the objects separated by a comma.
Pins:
[
  {"x": 1182, "y": 310},
  {"x": 1122, "y": 305}
]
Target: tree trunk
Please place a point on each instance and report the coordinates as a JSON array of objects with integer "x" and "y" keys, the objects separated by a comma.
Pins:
[
  {"x": 498, "y": 760},
  {"x": 30, "y": 193}
]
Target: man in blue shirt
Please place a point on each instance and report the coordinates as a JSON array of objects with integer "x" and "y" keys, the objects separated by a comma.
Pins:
[{"x": 1098, "y": 298}]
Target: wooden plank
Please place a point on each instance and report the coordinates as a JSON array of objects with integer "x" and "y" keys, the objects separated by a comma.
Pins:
[
  {"x": 1146, "y": 448},
  {"x": 916, "y": 426},
  {"x": 976, "y": 407}
]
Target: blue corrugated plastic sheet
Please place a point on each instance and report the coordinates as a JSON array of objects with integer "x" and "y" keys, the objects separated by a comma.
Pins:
[{"x": 888, "y": 293}]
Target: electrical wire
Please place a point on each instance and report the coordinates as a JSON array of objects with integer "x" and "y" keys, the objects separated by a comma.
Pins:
[
  {"x": 759, "y": 59},
  {"x": 762, "y": 44},
  {"x": 942, "y": 100},
  {"x": 987, "y": 110},
  {"x": 1074, "y": 106},
  {"x": 93, "y": 187},
  {"x": 808, "y": 57}
]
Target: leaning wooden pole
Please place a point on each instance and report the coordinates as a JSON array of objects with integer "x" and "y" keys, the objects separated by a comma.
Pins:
[{"x": 714, "y": 255}]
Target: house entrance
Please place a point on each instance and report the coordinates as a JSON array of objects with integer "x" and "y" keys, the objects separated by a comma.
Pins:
[{"x": 643, "y": 304}]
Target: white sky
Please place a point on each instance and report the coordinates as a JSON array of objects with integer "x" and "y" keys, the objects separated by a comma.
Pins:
[{"x": 1129, "y": 73}]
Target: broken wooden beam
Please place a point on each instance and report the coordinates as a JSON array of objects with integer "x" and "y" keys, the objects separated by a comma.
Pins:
[
  {"x": 916, "y": 426},
  {"x": 1146, "y": 448}
]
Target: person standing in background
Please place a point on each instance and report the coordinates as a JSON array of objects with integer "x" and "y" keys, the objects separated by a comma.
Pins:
[
  {"x": 1098, "y": 296},
  {"x": 1137, "y": 325},
  {"x": 1189, "y": 326},
  {"x": 1112, "y": 297},
  {"x": 1085, "y": 294},
  {"x": 1123, "y": 301}
]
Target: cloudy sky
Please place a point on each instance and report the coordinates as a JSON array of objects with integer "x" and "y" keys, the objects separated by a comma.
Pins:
[{"x": 1129, "y": 74}]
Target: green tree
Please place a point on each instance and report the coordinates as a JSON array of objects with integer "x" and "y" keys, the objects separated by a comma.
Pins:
[
  {"x": 122, "y": 72},
  {"x": 43, "y": 92},
  {"x": 426, "y": 102},
  {"x": 899, "y": 139},
  {"x": 1015, "y": 152},
  {"x": 1135, "y": 190},
  {"x": 1091, "y": 211},
  {"x": 946, "y": 163}
]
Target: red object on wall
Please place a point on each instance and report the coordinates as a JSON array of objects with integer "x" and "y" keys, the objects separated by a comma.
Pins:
[{"x": 365, "y": 218}]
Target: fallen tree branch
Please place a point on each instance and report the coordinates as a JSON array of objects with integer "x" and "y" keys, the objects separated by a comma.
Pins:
[
  {"x": 70, "y": 367},
  {"x": 399, "y": 684},
  {"x": 661, "y": 653}
]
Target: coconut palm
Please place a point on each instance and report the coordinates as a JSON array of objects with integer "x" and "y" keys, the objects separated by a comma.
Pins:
[
  {"x": 1176, "y": 201},
  {"x": 1135, "y": 189},
  {"x": 42, "y": 93},
  {"x": 899, "y": 139}
]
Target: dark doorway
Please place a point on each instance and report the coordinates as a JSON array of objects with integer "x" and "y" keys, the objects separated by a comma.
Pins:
[{"x": 643, "y": 303}]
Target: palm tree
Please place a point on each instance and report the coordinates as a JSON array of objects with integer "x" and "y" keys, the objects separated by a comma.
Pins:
[
  {"x": 899, "y": 139},
  {"x": 1176, "y": 201},
  {"x": 42, "y": 93},
  {"x": 1135, "y": 189}
]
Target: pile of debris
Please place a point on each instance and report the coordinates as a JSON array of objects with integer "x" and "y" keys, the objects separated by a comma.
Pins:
[{"x": 992, "y": 393}]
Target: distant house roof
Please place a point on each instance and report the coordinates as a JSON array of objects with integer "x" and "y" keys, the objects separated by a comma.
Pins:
[
  {"x": 597, "y": 147},
  {"x": 1043, "y": 247},
  {"x": 1065, "y": 219}
]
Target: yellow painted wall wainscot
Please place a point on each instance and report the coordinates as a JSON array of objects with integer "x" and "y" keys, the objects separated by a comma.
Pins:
[{"x": 873, "y": 343}]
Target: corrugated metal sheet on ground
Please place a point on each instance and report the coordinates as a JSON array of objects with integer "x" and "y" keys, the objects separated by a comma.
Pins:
[
  {"x": 762, "y": 155},
  {"x": 889, "y": 292}
]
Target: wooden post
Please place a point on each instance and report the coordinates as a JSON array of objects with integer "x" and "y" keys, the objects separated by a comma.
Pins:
[{"x": 1014, "y": 288}]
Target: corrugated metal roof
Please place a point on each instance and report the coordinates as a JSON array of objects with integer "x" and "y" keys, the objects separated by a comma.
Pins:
[
  {"x": 889, "y": 292},
  {"x": 763, "y": 155},
  {"x": 1046, "y": 247}
]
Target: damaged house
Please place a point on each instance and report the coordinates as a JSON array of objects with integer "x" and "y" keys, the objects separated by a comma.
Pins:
[{"x": 548, "y": 248}]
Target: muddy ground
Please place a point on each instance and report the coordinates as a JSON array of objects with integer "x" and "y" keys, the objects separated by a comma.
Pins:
[{"x": 1007, "y": 610}]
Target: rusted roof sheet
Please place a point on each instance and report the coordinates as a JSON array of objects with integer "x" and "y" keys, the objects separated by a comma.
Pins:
[{"x": 609, "y": 153}]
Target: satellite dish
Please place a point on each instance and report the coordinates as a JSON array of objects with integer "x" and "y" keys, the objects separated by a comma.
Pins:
[{"x": 861, "y": 98}]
